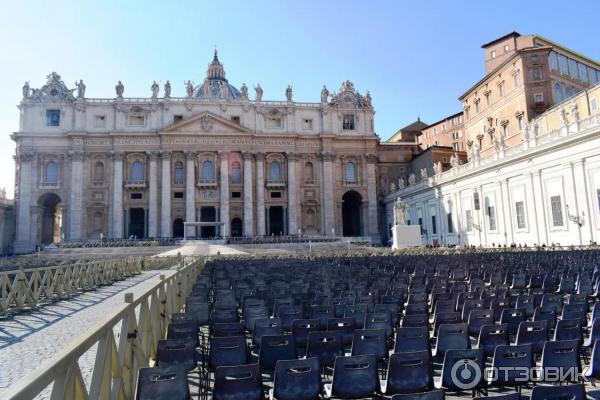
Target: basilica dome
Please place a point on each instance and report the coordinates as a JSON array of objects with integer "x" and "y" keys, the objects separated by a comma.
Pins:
[{"x": 215, "y": 86}]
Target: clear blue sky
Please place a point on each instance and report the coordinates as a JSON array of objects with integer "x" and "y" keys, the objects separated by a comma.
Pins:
[{"x": 415, "y": 57}]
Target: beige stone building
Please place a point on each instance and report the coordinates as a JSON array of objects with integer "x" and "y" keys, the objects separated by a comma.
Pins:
[
  {"x": 128, "y": 167},
  {"x": 525, "y": 75}
]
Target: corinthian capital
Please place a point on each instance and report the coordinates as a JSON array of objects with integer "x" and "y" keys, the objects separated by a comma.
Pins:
[{"x": 25, "y": 156}]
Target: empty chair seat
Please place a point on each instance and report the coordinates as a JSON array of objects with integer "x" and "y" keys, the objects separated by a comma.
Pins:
[
  {"x": 162, "y": 383},
  {"x": 534, "y": 333},
  {"x": 267, "y": 326},
  {"x": 511, "y": 362},
  {"x": 181, "y": 352},
  {"x": 301, "y": 328},
  {"x": 354, "y": 377},
  {"x": 326, "y": 346},
  {"x": 380, "y": 321},
  {"x": 562, "y": 355},
  {"x": 228, "y": 350},
  {"x": 409, "y": 373},
  {"x": 568, "y": 329},
  {"x": 345, "y": 325},
  {"x": 452, "y": 336},
  {"x": 445, "y": 318},
  {"x": 470, "y": 373},
  {"x": 370, "y": 341},
  {"x": 297, "y": 380},
  {"x": 238, "y": 382},
  {"x": 275, "y": 348},
  {"x": 491, "y": 336},
  {"x": 409, "y": 339}
]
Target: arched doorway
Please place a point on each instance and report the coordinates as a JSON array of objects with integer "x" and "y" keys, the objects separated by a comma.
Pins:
[
  {"x": 351, "y": 214},
  {"x": 178, "y": 228},
  {"x": 51, "y": 228},
  {"x": 236, "y": 227}
]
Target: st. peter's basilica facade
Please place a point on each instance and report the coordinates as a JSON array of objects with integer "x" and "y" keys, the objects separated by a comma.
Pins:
[{"x": 141, "y": 167}]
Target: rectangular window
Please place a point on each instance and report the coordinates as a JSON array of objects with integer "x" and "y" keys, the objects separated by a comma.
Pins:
[
  {"x": 573, "y": 70},
  {"x": 492, "y": 217},
  {"x": 516, "y": 80},
  {"x": 536, "y": 74},
  {"x": 583, "y": 75},
  {"x": 236, "y": 195},
  {"x": 557, "y": 215},
  {"x": 136, "y": 120},
  {"x": 178, "y": 195},
  {"x": 476, "y": 201},
  {"x": 594, "y": 105},
  {"x": 235, "y": 119},
  {"x": 348, "y": 122},
  {"x": 506, "y": 48},
  {"x": 477, "y": 107},
  {"x": 553, "y": 61},
  {"x": 450, "y": 224},
  {"x": 520, "y": 212},
  {"x": 421, "y": 226},
  {"x": 307, "y": 124},
  {"x": 433, "y": 225},
  {"x": 177, "y": 118},
  {"x": 493, "y": 54},
  {"x": 275, "y": 195},
  {"x": 53, "y": 117},
  {"x": 598, "y": 196},
  {"x": 208, "y": 194},
  {"x": 455, "y": 146},
  {"x": 488, "y": 100},
  {"x": 538, "y": 97},
  {"x": 136, "y": 196},
  {"x": 520, "y": 122},
  {"x": 273, "y": 122},
  {"x": 501, "y": 89},
  {"x": 469, "y": 220},
  {"x": 434, "y": 131},
  {"x": 99, "y": 121},
  {"x": 563, "y": 64}
]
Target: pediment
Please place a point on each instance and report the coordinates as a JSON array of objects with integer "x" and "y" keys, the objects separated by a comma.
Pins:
[{"x": 205, "y": 122}]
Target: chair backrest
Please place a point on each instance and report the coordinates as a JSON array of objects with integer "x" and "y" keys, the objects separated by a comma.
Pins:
[
  {"x": 562, "y": 354},
  {"x": 183, "y": 330},
  {"x": 472, "y": 360},
  {"x": 325, "y": 345},
  {"x": 177, "y": 352},
  {"x": 572, "y": 392},
  {"x": 359, "y": 313},
  {"x": 415, "y": 320},
  {"x": 433, "y": 395},
  {"x": 275, "y": 348},
  {"x": 238, "y": 382},
  {"x": 409, "y": 339},
  {"x": 409, "y": 372},
  {"x": 534, "y": 333},
  {"x": 380, "y": 321},
  {"x": 452, "y": 336},
  {"x": 445, "y": 318},
  {"x": 491, "y": 336},
  {"x": 301, "y": 328},
  {"x": 568, "y": 329},
  {"x": 594, "y": 369},
  {"x": 287, "y": 314},
  {"x": 545, "y": 313},
  {"x": 512, "y": 317},
  {"x": 507, "y": 358},
  {"x": 478, "y": 318},
  {"x": 297, "y": 379},
  {"x": 266, "y": 326},
  {"x": 163, "y": 383},
  {"x": 355, "y": 377},
  {"x": 370, "y": 341},
  {"x": 228, "y": 329},
  {"x": 511, "y": 396},
  {"x": 227, "y": 350}
]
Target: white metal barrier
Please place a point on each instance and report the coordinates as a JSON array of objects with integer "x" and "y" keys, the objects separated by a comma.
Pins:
[
  {"x": 30, "y": 287},
  {"x": 140, "y": 324}
]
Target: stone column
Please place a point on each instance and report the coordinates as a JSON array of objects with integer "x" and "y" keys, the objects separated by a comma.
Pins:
[
  {"x": 190, "y": 192},
  {"x": 248, "y": 201},
  {"x": 25, "y": 243},
  {"x": 373, "y": 229},
  {"x": 165, "y": 217},
  {"x": 117, "y": 206},
  {"x": 260, "y": 195},
  {"x": 581, "y": 195},
  {"x": 291, "y": 187},
  {"x": 153, "y": 195},
  {"x": 328, "y": 191},
  {"x": 537, "y": 206},
  {"x": 224, "y": 184},
  {"x": 75, "y": 200}
]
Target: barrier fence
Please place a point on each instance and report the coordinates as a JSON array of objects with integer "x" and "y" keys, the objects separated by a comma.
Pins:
[
  {"x": 125, "y": 340},
  {"x": 30, "y": 287}
]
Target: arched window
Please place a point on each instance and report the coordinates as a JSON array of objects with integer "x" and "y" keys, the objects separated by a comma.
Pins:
[
  {"x": 275, "y": 170},
  {"x": 236, "y": 172},
  {"x": 558, "y": 93},
  {"x": 51, "y": 173},
  {"x": 309, "y": 173},
  {"x": 568, "y": 92},
  {"x": 179, "y": 173},
  {"x": 208, "y": 171},
  {"x": 137, "y": 171},
  {"x": 350, "y": 172},
  {"x": 99, "y": 172}
]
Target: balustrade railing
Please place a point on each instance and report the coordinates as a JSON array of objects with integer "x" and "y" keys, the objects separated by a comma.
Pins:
[
  {"x": 124, "y": 341},
  {"x": 31, "y": 287}
]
